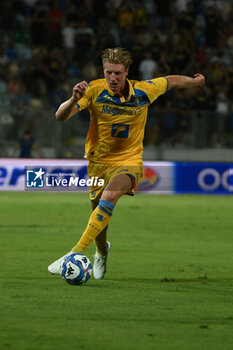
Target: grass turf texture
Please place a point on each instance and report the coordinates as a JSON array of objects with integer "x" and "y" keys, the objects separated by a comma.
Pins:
[{"x": 168, "y": 285}]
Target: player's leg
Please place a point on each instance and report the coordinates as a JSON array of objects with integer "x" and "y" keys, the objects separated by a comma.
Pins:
[
  {"x": 102, "y": 245},
  {"x": 117, "y": 187},
  {"x": 101, "y": 239},
  {"x": 102, "y": 249},
  {"x": 94, "y": 170},
  {"x": 99, "y": 218},
  {"x": 102, "y": 214},
  {"x": 110, "y": 195}
]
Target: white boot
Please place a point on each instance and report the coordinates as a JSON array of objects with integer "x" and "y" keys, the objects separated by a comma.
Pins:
[
  {"x": 56, "y": 267},
  {"x": 99, "y": 266}
]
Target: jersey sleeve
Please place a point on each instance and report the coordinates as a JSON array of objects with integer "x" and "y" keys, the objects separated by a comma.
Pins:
[
  {"x": 85, "y": 101},
  {"x": 155, "y": 87}
]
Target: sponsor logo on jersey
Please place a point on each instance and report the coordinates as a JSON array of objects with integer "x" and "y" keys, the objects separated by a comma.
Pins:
[
  {"x": 120, "y": 111},
  {"x": 120, "y": 130}
]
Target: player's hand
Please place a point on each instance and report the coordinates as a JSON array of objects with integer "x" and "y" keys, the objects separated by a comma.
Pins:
[
  {"x": 79, "y": 90},
  {"x": 199, "y": 79}
]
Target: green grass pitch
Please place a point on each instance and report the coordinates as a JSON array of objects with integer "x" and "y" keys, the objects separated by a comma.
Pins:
[{"x": 169, "y": 283}]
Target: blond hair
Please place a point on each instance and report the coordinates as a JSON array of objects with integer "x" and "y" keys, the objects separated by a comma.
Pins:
[{"x": 118, "y": 55}]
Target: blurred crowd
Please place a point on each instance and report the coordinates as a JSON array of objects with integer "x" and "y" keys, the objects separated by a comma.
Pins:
[{"x": 48, "y": 46}]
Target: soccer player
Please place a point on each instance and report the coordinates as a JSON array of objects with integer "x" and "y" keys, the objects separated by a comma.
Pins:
[{"x": 114, "y": 145}]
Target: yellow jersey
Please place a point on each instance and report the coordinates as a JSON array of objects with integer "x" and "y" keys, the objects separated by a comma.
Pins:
[{"x": 117, "y": 124}]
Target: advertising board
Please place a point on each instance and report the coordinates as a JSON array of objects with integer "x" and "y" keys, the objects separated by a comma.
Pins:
[{"x": 71, "y": 175}]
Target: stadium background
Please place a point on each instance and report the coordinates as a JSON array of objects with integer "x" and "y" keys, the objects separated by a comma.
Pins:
[{"x": 48, "y": 46}]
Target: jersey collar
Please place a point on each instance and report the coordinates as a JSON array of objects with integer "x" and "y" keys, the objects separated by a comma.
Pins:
[{"x": 131, "y": 91}]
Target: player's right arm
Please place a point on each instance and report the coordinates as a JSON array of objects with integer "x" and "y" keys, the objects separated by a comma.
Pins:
[
  {"x": 182, "y": 81},
  {"x": 68, "y": 108}
]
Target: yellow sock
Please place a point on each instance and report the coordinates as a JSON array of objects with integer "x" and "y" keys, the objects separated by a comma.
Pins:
[
  {"x": 78, "y": 249},
  {"x": 99, "y": 219}
]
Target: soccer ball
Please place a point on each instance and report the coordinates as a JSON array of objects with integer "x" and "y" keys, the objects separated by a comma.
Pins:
[{"x": 76, "y": 269}]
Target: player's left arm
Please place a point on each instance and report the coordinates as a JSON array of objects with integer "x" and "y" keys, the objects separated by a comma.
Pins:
[{"x": 182, "y": 81}]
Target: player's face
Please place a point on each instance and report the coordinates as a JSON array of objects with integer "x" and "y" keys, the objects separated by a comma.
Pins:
[{"x": 115, "y": 75}]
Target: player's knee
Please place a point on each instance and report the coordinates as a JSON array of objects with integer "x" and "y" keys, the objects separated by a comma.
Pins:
[
  {"x": 117, "y": 188},
  {"x": 111, "y": 196}
]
